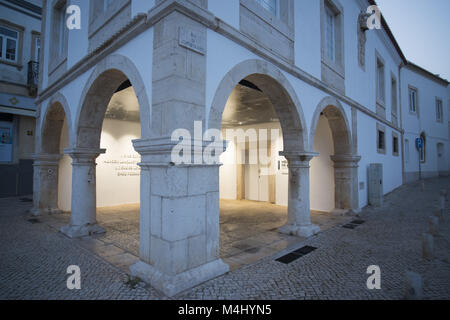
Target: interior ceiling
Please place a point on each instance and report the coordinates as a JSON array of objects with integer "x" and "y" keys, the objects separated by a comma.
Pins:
[
  {"x": 123, "y": 105},
  {"x": 247, "y": 105}
]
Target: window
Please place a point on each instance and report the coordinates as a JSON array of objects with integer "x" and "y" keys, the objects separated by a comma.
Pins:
[
  {"x": 37, "y": 48},
  {"x": 406, "y": 150},
  {"x": 59, "y": 32},
  {"x": 330, "y": 34},
  {"x": 9, "y": 40},
  {"x": 439, "y": 110},
  {"x": 412, "y": 100},
  {"x": 269, "y": 5},
  {"x": 394, "y": 96},
  {"x": 380, "y": 81},
  {"x": 395, "y": 145},
  {"x": 381, "y": 140}
]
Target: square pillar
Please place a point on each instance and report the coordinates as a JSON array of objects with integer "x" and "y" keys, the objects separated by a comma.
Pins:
[
  {"x": 179, "y": 220},
  {"x": 83, "y": 221},
  {"x": 346, "y": 182},
  {"x": 299, "y": 212},
  {"x": 45, "y": 184}
]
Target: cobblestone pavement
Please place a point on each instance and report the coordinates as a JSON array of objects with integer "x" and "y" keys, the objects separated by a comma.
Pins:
[{"x": 34, "y": 258}]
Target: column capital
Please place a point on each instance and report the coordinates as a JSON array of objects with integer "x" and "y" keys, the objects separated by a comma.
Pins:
[
  {"x": 345, "y": 160},
  {"x": 158, "y": 151},
  {"x": 46, "y": 159},
  {"x": 84, "y": 155},
  {"x": 299, "y": 159}
]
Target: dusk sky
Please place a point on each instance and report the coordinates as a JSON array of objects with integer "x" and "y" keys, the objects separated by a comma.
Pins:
[{"x": 422, "y": 29}]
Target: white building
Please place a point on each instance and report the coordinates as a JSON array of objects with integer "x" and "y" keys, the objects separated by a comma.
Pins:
[
  {"x": 425, "y": 103},
  {"x": 310, "y": 68},
  {"x": 20, "y": 27}
]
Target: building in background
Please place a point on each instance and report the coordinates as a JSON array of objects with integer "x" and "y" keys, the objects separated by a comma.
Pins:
[
  {"x": 425, "y": 105},
  {"x": 20, "y": 28}
]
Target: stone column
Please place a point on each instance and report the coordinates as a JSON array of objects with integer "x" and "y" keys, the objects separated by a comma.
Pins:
[
  {"x": 45, "y": 184},
  {"x": 346, "y": 182},
  {"x": 299, "y": 213},
  {"x": 83, "y": 220},
  {"x": 179, "y": 220}
]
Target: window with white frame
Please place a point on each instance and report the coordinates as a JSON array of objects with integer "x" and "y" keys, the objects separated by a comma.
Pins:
[
  {"x": 394, "y": 95},
  {"x": 439, "y": 110},
  {"x": 269, "y": 5},
  {"x": 37, "y": 48},
  {"x": 330, "y": 34},
  {"x": 380, "y": 80},
  {"x": 412, "y": 100},
  {"x": 59, "y": 32},
  {"x": 9, "y": 44}
]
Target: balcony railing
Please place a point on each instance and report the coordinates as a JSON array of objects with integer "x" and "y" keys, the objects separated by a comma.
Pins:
[{"x": 33, "y": 77}]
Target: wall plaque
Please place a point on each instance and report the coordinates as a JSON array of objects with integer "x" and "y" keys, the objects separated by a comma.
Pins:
[{"x": 192, "y": 40}]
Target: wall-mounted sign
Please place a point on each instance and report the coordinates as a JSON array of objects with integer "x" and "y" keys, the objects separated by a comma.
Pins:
[
  {"x": 6, "y": 141},
  {"x": 419, "y": 143},
  {"x": 283, "y": 166},
  {"x": 192, "y": 40},
  {"x": 125, "y": 165}
]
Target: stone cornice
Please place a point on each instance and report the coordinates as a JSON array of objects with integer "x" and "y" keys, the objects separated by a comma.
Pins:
[{"x": 144, "y": 21}]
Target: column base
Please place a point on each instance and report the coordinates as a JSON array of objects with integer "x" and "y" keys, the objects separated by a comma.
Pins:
[
  {"x": 301, "y": 231},
  {"x": 172, "y": 285},
  {"x": 40, "y": 212},
  {"x": 82, "y": 231}
]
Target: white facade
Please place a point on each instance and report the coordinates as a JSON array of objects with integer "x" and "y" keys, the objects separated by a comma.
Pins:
[
  {"x": 183, "y": 59},
  {"x": 425, "y": 120}
]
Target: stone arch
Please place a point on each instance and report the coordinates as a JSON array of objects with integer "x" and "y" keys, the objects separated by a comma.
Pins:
[
  {"x": 46, "y": 160},
  {"x": 279, "y": 91},
  {"x": 50, "y": 132},
  {"x": 345, "y": 162},
  {"x": 332, "y": 109},
  {"x": 109, "y": 74}
]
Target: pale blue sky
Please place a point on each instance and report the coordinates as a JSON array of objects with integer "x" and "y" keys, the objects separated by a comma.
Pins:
[{"x": 422, "y": 29}]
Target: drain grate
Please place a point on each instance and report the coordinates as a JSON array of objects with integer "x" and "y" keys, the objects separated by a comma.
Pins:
[
  {"x": 34, "y": 220},
  {"x": 304, "y": 250},
  {"x": 294, "y": 255},
  {"x": 353, "y": 224}
]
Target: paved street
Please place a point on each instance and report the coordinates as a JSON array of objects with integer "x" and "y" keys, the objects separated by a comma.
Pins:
[{"x": 34, "y": 257}]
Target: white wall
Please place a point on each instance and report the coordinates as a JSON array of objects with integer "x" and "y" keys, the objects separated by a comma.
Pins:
[
  {"x": 65, "y": 173},
  {"x": 117, "y": 170},
  {"x": 322, "y": 171}
]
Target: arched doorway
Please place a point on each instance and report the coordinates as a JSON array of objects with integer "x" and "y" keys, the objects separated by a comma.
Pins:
[
  {"x": 113, "y": 77},
  {"x": 265, "y": 78},
  {"x": 55, "y": 127},
  {"x": 334, "y": 176}
]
